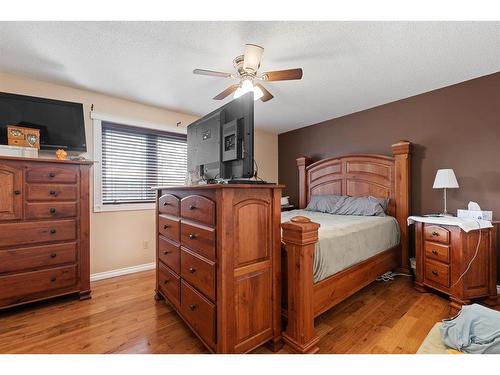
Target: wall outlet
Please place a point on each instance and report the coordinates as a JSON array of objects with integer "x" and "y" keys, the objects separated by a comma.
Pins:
[{"x": 145, "y": 244}]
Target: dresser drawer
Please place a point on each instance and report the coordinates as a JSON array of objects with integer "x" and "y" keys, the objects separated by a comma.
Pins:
[
  {"x": 50, "y": 210},
  {"x": 169, "y": 227},
  {"x": 169, "y": 253},
  {"x": 25, "y": 284},
  {"x": 436, "y": 234},
  {"x": 199, "y": 312},
  {"x": 437, "y": 272},
  {"x": 51, "y": 192},
  {"x": 13, "y": 234},
  {"x": 36, "y": 257},
  {"x": 52, "y": 173},
  {"x": 169, "y": 204},
  {"x": 198, "y": 208},
  {"x": 436, "y": 251},
  {"x": 169, "y": 283},
  {"x": 199, "y": 272},
  {"x": 199, "y": 238}
]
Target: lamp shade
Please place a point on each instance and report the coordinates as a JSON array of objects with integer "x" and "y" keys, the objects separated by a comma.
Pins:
[{"x": 445, "y": 178}]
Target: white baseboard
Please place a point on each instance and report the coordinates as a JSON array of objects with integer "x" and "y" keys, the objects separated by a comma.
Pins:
[{"x": 122, "y": 271}]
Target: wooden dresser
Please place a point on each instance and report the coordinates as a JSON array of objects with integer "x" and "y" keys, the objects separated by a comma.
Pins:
[
  {"x": 218, "y": 262},
  {"x": 443, "y": 253},
  {"x": 44, "y": 229}
]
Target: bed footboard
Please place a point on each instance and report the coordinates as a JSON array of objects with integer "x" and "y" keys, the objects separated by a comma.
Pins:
[{"x": 300, "y": 235}]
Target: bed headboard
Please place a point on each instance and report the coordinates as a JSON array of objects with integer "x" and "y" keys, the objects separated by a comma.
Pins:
[{"x": 362, "y": 175}]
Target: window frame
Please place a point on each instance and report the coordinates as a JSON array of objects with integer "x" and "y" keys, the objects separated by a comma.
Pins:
[{"x": 97, "y": 119}]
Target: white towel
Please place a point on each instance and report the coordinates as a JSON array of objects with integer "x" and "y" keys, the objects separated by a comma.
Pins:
[{"x": 465, "y": 223}]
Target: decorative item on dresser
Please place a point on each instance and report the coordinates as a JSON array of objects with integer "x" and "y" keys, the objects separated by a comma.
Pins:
[
  {"x": 355, "y": 175},
  {"x": 44, "y": 229},
  {"x": 218, "y": 262},
  {"x": 455, "y": 262}
]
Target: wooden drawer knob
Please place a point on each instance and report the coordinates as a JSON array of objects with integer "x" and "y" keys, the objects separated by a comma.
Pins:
[
  {"x": 166, "y": 203},
  {"x": 53, "y": 278},
  {"x": 53, "y": 231},
  {"x": 52, "y": 192},
  {"x": 192, "y": 207},
  {"x": 166, "y": 281},
  {"x": 53, "y": 255},
  {"x": 192, "y": 236},
  {"x": 435, "y": 273},
  {"x": 435, "y": 252},
  {"x": 166, "y": 226},
  {"x": 192, "y": 270},
  {"x": 52, "y": 175},
  {"x": 52, "y": 210},
  {"x": 166, "y": 252},
  {"x": 435, "y": 234},
  {"x": 17, "y": 192},
  {"x": 193, "y": 307}
]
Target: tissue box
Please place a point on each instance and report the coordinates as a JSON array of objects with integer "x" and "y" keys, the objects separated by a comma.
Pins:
[{"x": 473, "y": 214}]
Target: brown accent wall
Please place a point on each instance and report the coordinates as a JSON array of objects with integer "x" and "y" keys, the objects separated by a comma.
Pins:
[{"x": 454, "y": 127}]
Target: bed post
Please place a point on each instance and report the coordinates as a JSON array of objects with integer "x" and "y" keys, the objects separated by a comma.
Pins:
[
  {"x": 302, "y": 163},
  {"x": 300, "y": 235},
  {"x": 402, "y": 157}
]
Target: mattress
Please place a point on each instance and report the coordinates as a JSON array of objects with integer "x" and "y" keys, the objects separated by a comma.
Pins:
[{"x": 346, "y": 240}]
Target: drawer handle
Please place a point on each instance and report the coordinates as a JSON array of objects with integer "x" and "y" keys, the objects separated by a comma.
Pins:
[
  {"x": 52, "y": 175},
  {"x": 53, "y": 231},
  {"x": 166, "y": 252},
  {"x": 435, "y": 252},
  {"x": 52, "y": 210},
  {"x": 17, "y": 192},
  {"x": 192, "y": 207},
  {"x": 435, "y": 234},
  {"x": 435, "y": 273},
  {"x": 52, "y": 192},
  {"x": 192, "y": 270},
  {"x": 166, "y": 281},
  {"x": 53, "y": 255},
  {"x": 166, "y": 203},
  {"x": 192, "y": 236},
  {"x": 53, "y": 278},
  {"x": 166, "y": 226},
  {"x": 193, "y": 307}
]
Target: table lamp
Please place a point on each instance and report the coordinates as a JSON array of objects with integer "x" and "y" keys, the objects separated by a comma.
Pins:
[{"x": 445, "y": 179}]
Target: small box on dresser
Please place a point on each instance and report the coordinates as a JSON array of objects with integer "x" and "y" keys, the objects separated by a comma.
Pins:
[
  {"x": 218, "y": 262},
  {"x": 44, "y": 229}
]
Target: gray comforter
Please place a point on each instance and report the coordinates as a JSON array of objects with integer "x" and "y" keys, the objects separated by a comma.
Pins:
[{"x": 346, "y": 240}]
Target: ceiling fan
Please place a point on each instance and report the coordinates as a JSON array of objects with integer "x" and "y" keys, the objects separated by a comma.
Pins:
[{"x": 247, "y": 66}]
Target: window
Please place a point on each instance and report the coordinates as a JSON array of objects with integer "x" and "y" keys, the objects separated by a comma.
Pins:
[{"x": 133, "y": 159}]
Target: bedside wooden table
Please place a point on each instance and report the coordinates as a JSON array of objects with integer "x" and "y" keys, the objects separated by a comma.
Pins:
[{"x": 443, "y": 253}]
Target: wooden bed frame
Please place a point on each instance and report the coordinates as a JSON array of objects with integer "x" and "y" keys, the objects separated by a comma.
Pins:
[{"x": 355, "y": 175}]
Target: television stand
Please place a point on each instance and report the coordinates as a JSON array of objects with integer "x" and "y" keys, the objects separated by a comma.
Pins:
[{"x": 247, "y": 182}]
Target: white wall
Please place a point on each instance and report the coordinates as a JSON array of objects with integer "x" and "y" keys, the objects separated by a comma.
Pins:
[{"x": 117, "y": 238}]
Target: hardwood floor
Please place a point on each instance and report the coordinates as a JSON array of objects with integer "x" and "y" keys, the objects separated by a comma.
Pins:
[{"x": 123, "y": 317}]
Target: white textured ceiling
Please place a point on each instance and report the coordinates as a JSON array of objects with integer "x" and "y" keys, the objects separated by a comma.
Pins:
[{"x": 348, "y": 66}]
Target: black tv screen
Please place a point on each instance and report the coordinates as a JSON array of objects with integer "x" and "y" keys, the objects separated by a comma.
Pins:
[{"x": 60, "y": 123}]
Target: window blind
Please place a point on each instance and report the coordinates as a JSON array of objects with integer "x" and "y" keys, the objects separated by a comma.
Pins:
[{"x": 135, "y": 159}]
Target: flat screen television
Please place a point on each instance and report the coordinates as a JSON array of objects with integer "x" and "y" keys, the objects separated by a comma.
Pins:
[
  {"x": 60, "y": 123},
  {"x": 221, "y": 143}
]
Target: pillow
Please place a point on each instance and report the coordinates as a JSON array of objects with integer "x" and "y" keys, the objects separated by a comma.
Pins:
[
  {"x": 360, "y": 206},
  {"x": 323, "y": 203}
]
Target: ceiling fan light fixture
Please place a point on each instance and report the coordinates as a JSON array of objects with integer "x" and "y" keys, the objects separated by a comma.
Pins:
[
  {"x": 245, "y": 86},
  {"x": 257, "y": 93}
]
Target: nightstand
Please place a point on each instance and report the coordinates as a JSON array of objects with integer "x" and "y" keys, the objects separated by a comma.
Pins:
[{"x": 443, "y": 253}]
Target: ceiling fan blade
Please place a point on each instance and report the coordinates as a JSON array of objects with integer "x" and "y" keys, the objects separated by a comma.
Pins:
[
  {"x": 226, "y": 92},
  {"x": 283, "y": 75},
  {"x": 267, "y": 95},
  {"x": 213, "y": 73},
  {"x": 252, "y": 56}
]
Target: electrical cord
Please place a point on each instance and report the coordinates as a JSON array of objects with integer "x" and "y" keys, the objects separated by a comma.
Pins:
[
  {"x": 474, "y": 257},
  {"x": 390, "y": 276}
]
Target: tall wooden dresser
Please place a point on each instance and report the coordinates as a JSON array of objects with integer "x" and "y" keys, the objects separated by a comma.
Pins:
[
  {"x": 44, "y": 229},
  {"x": 218, "y": 262}
]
